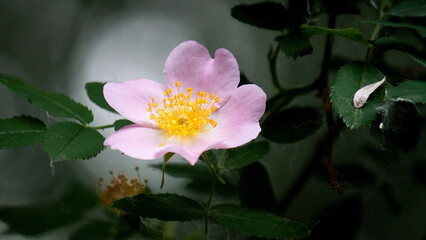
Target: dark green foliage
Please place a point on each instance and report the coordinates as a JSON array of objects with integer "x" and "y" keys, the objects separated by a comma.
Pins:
[
  {"x": 246, "y": 154},
  {"x": 393, "y": 43},
  {"x": 68, "y": 140},
  {"x": 408, "y": 8},
  {"x": 95, "y": 92},
  {"x": 348, "y": 33},
  {"x": 339, "y": 222},
  {"x": 256, "y": 191},
  {"x": 420, "y": 29},
  {"x": 258, "y": 223},
  {"x": 200, "y": 178},
  {"x": 409, "y": 91},
  {"x": 20, "y": 131},
  {"x": 119, "y": 124},
  {"x": 291, "y": 125},
  {"x": 295, "y": 44},
  {"x": 401, "y": 126},
  {"x": 43, "y": 217},
  {"x": 301, "y": 12},
  {"x": 268, "y": 15},
  {"x": 354, "y": 175},
  {"x": 167, "y": 207},
  {"x": 349, "y": 79},
  {"x": 54, "y": 103}
]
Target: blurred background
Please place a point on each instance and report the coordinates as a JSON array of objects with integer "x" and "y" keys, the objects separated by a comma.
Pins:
[{"x": 60, "y": 45}]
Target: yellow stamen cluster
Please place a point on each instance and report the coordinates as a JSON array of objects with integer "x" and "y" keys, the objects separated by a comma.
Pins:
[
  {"x": 120, "y": 187},
  {"x": 184, "y": 114}
]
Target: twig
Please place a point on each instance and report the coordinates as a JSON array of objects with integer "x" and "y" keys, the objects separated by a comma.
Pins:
[
  {"x": 324, "y": 89},
  {"x": 272, "y": 59}
]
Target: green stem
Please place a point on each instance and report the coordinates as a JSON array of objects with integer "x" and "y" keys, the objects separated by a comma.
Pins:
[
  {"x": 272, "y": 59},
  {"x": 371, "y": 50},
  {"x": 206, "y": 159},
  {"x": 378, "y": 26},
  {"x": 209, "y": 201},
  {"x": 103, "y": 126}
]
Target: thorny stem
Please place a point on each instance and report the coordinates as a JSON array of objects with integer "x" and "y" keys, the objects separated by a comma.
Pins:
[{"x": 324, "y": 90}]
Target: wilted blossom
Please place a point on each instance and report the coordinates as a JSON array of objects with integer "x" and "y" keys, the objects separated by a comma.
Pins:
[{"x": 200, "y": 107}]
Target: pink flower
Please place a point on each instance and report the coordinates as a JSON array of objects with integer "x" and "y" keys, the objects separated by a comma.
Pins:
[{"x": 200, "y": 107}]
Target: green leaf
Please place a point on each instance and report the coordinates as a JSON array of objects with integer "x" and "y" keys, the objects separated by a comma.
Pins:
[
  {"x": 341, "y": 221},
  {"x": 392, "y": 43},
  {"x": 68, "y": 140},
  {"x": 167, "y": 207},
  {"x": 268, "y": 15},
  {"x": 95, "y": 91},
  {"x": 411, "y": 8},
  {"x": 409, "y": 91},
  {"x": 120, "y": 123},
  {"x": 20, "y": 131},
  {"x": 200, "y": 177},
  {"x": 258, "y": 223},
  {"x": 420, "y": 29},
  {"x": 348, "y": 33},
  {"x": 40, "y": 218},
  {"x": 256, "y": 191},
  {"x": 292, "y": 124},
  {"x": 300, "y": 12},
  {"x": 417, "y": 59},
  {"x": 353, "y": 175},
  {"x": 347, "y": 81},
  {"x": 295, "y": 44},
  {"x": 246, "y": 155},
  {"x": 55, "y": 104}
]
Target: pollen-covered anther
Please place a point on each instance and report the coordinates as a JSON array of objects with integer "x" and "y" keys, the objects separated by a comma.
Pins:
[
  {"x": 120, "y": 187},
  {"x": 182, "y": 114}
]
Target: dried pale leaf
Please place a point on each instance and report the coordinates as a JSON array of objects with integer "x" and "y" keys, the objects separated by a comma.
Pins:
[{"x": 361, "y": 96}]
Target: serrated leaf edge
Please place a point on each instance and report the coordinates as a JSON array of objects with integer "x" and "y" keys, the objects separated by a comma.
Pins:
[{"x": 73, "y": 158}]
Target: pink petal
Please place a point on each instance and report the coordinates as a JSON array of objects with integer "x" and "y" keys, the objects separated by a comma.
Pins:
[
  {"x": 138, "y": 142},
  {"x": 237, "y": 124},
  {"x": 191, "y": 148},
  {"x": 238, "y": 120},
  {"x": 190, "y": 63},
  {"x": 131, "y": 98},
  {"x": 144, "y": 143}
]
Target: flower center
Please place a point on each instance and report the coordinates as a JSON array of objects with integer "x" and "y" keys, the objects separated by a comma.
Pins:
[
  {"x": 182, "y": 119},
  {"x": 182, "y": 114}
]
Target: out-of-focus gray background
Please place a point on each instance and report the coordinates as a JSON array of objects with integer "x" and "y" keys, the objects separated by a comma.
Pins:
[{"x": 60, "y": 45}]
